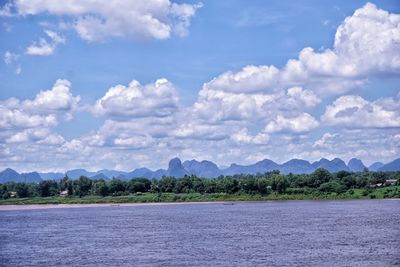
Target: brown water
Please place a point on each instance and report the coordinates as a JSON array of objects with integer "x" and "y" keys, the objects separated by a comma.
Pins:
[{"x": 290, "y": 233}]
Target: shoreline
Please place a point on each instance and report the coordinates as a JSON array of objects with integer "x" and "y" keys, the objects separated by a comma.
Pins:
[{"x": 20, "y": 207}]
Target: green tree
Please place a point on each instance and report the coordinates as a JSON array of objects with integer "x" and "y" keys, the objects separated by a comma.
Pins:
[
  {"x": 83, "y": 186},
  {"x": 279, "y": 183},
  {"x": 116, "y": 187},
  {"x": 22, "y": 190},
  {"x": 48, "y": 188},
  {"x": 263, "y": 185},
  {"x": 136, "y": 186},
  {"x": 230, "y": 185},
  {"x": 167, "y": 184},
  {"x": 319, "y": 177},
  {"x": 100, "y": 188}
]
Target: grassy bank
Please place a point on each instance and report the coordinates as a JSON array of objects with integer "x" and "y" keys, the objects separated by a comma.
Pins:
[{"x": 388, "y": 192}]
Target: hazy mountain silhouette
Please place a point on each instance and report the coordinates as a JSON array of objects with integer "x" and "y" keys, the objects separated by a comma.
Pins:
[{"x": 205, "y": 169}]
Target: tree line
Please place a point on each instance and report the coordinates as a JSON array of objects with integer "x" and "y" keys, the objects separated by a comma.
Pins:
[{"x": 320, "y": 180}]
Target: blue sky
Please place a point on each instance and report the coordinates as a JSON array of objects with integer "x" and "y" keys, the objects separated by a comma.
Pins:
[{"x": 305, "y": 94}]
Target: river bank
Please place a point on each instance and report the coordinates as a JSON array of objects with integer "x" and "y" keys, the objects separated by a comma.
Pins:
[{"x": 196, "y": 197}]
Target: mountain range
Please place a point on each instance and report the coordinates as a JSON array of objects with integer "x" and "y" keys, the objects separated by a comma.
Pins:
[{"x": 205, "y": 169}]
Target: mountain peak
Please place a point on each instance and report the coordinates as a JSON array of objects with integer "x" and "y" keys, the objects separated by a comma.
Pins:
[
  {"x": 176, "y": 169},
  {"x": 175, "y": 162},
  {"x": 355, "y": 165}
]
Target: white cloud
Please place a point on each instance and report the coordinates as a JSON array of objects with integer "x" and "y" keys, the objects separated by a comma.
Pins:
[
  {"x": 243, "y": 136},
  {"x": 45, "y": 47},
  {"x": 6, "y": 10},
  {"x": 134, "y": 142},
  {"x": 255, "y": 94},
  {"x": 33, "y": 134},
  {"x": 355, "y": 112},
  {"x": 30, "y": 120},
  {"x": 369, "y": 40},
  {"x": 217, "y": 106},
  {"x": 248, "y": 80},
  {"x": 158, "y": 99},
  {"x": 16, "y": 119},
  {"x": 9, "y": 57},
  {"x": 57, "y": 100},
  {"x": 98, "y": 20},
  {"x": 299, "y": 124},
  {"x": 303, "y": 97},
  {"x": 52, "y": 140},
  {"x": 355, "y": 55},
  {"x": 328, "y": 140},
  {"x": 192, "y": 129}
]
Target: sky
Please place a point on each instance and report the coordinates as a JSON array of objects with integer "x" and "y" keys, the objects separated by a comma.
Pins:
[{"x": 124, "y": 84}]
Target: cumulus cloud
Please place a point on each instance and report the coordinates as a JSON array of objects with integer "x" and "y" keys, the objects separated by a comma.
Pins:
[
  {"x": 255, "y": 94},
  {"x": 215, "y": 105},
  {"x": 192, "y": 129},
  {"x": 158, "y": 99},
  {"x": 355, "y": 55},
  {"x": 45, "y": 47},
  {"x": 33, "y": 134},
  {"x": 299, "y": 124},
  {"x": 58, "y": 99},
  {"x": 298, "y": 95},
  {"x": 16, "y": 119},
  {"x": 98, "y": 20},
  {"x": 249, "y": 79},
  {"x": 355, "y": 112},
  {"x": 243, "y": 136},
  {"x": 357, "y": 46},
  {"x": 30, "y": 120}
]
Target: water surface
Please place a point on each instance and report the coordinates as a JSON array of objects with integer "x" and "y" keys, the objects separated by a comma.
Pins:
[{"x": 288, "y": 233}]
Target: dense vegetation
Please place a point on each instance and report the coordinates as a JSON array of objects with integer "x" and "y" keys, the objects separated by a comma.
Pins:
[{"x": 272, "y": 185}]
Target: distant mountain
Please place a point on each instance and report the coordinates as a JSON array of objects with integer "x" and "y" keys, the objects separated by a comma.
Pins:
[
  {"x": 265, "y": 165},
  {"x": 9, "y": 175},
  {"x": 334, "y": 165},
  {"x": 355, "y": 165},
  {"x": 51, "y": 175},
  {"x": 391, "y": 166},
  {"x": 75, "y": 174},
  {"x": 158, "y": 174},
  {"x": 31, "y": 177},
  {"x": 375, "y": 166},
  {"x": 296, "y": 166},
  {"x": 204, "y": 168},
  {"x": 99, "y": 176},
  {"x": 139, "y": 173},
  {"x": 176, "y": 169},
  {"x": 109, "y": 174}
]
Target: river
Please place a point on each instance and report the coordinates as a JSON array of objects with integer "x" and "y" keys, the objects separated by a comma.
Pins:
[{"x": 275, "y": 233}]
